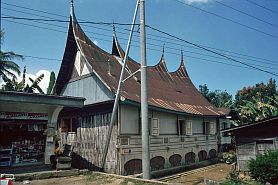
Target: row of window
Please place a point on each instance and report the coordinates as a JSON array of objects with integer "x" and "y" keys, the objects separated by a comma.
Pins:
[{"x": 185, "y": 127}]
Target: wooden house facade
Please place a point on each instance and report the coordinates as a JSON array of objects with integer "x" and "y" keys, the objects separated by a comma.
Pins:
[
  {"x": 184, "y": 126},
  {"x": 254, "y": 138}
]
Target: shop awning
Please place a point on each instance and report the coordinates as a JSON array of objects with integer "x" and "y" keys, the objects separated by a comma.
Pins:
[{"x": 34, "y": 98}]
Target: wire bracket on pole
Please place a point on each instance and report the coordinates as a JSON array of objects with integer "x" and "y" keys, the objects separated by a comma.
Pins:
[{"x": 131, "y": 75}]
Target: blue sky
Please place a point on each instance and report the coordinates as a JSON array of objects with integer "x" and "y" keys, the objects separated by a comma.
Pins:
[{"x": 168, "y": 15}]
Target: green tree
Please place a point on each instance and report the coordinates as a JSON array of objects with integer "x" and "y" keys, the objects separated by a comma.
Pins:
[
  {"x": 257, "y": 102},
  {"x": 8, "y": 68},
  {"x": 218, "y": 98},
  {"x": 14, "y": 85}
]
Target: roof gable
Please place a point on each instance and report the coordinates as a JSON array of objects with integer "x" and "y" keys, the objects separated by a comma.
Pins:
[{"x": 173, "y": 91}]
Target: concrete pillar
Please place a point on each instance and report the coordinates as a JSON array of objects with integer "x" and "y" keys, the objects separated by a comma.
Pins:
[{"x": 51, "y": 132}]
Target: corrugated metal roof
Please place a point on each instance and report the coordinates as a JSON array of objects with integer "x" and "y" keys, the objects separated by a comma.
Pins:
[{"x": 169, "y": 90}]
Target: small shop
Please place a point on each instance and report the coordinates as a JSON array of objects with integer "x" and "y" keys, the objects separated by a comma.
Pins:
[
  {"x": 28, "y": 126},
  {"x": 23, "y": 138}
]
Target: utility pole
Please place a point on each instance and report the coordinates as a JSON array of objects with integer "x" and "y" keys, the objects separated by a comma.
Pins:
[{"x": 144, "y": 96}]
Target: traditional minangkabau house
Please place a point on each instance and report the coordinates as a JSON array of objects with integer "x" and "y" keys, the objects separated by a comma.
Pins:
[
  {"x": 253, "y": 139},
  {"x": 183, "y": 124}
]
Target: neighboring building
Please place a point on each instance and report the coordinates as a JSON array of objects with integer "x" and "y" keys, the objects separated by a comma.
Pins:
[
  {"x": 184, "y": 126},
  {"x": 28, "y": 126},
  {"x": 225, "y": 142},
  {"x": 254, "y": 138}
]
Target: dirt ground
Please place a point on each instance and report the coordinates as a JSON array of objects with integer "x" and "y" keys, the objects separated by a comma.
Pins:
[
  {"x": 93, "y": 179},
  {"x": 218, "y": 173}
]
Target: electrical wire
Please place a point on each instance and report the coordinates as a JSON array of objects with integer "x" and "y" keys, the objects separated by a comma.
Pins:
[
  {"x": 196, "y": 45},
  {"x": 162, "y": 41},
  {"x": 211, "y": 51},
  {"x": 231, "y": 53},
  {"x": 228, "y": 19},
  {"x": 188, "y": 56},
  {"x": 268, "y": 9},
  {"x": 247, "y": 14}
]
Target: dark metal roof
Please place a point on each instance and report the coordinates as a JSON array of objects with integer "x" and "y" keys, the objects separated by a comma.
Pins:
[
  {"x": 168, "y": 90},
  {"x": 264, "y": 121},
  {"x": 66, "y": 68}
]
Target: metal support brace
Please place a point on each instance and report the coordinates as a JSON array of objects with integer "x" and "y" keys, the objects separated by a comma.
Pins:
[
  {"x": 117, "y": 98},
  {"x": 131, "y": 75}
]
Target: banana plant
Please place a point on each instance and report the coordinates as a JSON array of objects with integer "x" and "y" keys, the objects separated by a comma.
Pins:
[{"x": 35, "y": 85}]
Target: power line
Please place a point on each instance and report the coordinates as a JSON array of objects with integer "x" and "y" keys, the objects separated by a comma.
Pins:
[
  {"x": 105, "y": 23},
  {"x": 41, "y": 11},
  {"x": 152, "y": 35},
  {"x": 188, "y": 56},
  {"x": 228, "y": 19},
  {"x": 41, "y": 58},
  {"x": 211, "y": 51},
  {"x": 247, "y": 14},
  {"x": 152, "y": 48},
  {"x": 268, "y": 9},
  {"x": 166, "y": 47},
  {"x": 35, "y": 26},
  {"x": 270, "y": 62}
]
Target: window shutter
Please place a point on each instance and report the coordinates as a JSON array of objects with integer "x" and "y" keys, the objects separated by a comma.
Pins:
[
  {"x": 212, "y": 128},
  {"x": 189, "y": 127},
  {"x": 155, "y": 126}
]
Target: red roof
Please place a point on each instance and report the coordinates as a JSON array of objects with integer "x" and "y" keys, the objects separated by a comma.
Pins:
[{"x": 169, "y": 90}]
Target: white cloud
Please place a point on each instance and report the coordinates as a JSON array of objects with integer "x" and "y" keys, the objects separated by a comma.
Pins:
[{"x": 43, "y": 84}]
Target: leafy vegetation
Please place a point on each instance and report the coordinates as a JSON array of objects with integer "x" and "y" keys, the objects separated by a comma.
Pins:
[
  {"x": 14, "y": 85},
  {"x": 233, "y": 179},
  {"x": 218, "y": 98},
  {"x": 257, "y": 102},
  {"x": 229, "y": 157},
  {"x": 51, "y": 83},
  {"x": 253, "y": 103},
  {"x": 265, "y": 167},
  {"x": 8, "y": 68}
]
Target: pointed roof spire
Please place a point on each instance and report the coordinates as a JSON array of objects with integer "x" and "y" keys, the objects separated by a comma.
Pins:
[
  {"x": 181, "y": 55},
  {"x": 162, "y": 57},
  {"x": 113, "y": 26},
  {"x": 71, "y": 8},
  {"x": 182, "y": 70},
  {"x": 116, "y": 48},
  {"x": 161, "y": 66},
  {"x": 182, "y": 61}
]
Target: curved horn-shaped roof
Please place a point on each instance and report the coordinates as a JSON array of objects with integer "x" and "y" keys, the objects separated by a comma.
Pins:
[
  {"x": 181, "y": 71},
  {"x": 116, "y": 48},
  {"x": 118, "y": 51},
  {"x": 166, "y": 91}
]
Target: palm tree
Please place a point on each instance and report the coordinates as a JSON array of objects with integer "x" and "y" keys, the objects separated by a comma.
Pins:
[{"x": 8, "y": 68}]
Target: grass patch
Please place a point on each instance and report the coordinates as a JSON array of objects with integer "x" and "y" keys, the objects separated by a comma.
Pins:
[
  {"x": 101, "y": 179},
  {"x": 137, "y": 182}
]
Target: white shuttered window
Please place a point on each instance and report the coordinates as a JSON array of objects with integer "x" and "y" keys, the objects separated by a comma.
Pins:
[
  {"x": 211, "y": 128},
  {"x": 188, "y": 127},
  {"x": 155, "y": 126}
]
